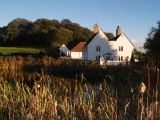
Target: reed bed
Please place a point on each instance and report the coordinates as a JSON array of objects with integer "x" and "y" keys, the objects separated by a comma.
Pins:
[
  {"x": 54, "y": 100},
  {"x": 53, "y": 89}
]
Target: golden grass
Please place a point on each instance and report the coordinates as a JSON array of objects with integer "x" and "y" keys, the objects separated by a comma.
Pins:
[
  {"x": 54, "y": 100},
  {"x": 42, "y": 96}
]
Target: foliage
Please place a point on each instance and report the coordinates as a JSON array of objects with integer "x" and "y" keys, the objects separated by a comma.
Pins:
[
  {"x": 2, "y": 30},
  {"x": 109, "y": 35},
  {"x": 79, "y": 33},
  {"x": 62, "y": 36},
  {"x": 137, "y": 55},
  {"x": 152, "y": 45},
  {"x": 16, "y": 30},
  {"x": 44, "y": 32}
]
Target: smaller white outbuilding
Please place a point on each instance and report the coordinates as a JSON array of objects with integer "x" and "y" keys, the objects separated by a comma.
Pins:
[
  {"x": 76, "y": 52},
  {"x": 63, "y": 49}
]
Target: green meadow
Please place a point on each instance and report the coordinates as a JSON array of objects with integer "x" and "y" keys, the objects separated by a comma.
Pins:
[{"x": 20, "y": 50}]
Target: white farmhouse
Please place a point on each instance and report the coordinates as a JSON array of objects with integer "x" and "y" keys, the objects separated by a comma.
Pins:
[
  {"x": 118, "y": 49},
  {"x": 76, "y": 52}
]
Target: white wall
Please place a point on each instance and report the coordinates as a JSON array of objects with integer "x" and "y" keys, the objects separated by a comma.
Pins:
[
  {"x": 76, "y": 55},
  {"x": 112, "y": 47},
  {"x": 127, "y": 47},
  {"x": 101, "y": 40}
]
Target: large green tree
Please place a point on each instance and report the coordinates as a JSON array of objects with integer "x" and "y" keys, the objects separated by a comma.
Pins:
[
  {"x": 16, "y": 31},
  {"x": 79, "y": 33},
  {"x": 43, "y": 31},
  {"x": 62, "y": 36},
  {"x": 152, "y": 45}
]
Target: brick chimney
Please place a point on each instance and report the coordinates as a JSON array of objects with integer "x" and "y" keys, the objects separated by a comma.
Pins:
[
  {"x": 118, "y": 31},
  {"x": 95, "y": 28}
]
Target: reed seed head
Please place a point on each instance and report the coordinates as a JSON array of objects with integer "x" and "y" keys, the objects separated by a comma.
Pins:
[
  {"x": 142, "y": 88},
  {"x": 38, "y": 86}
]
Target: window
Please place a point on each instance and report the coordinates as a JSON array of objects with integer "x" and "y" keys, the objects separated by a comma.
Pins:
[
  {"x": 120, "y": 48},
  {"x": 108, "y": 57},
  {"x": 97, "y": 58},
  {"x": 98, "y": 48},
  {"x": 120, "y": 58}
]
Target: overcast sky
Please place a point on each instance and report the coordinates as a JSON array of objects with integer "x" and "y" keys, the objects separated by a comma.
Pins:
[{"x": 135, "y": 17}]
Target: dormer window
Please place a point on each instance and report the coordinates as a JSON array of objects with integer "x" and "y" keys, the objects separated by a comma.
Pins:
[
  {"x": 120, "y": 48},
  {"x": 98, "y": 48}
]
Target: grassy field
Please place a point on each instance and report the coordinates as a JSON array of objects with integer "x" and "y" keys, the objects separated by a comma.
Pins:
[{"x": 23, "y": 50}]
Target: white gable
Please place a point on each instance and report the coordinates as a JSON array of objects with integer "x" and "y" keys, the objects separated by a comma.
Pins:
[
  {"x": 64, "y": 49},
  {"x": 122, "y": 39},
  {"x": 127, "y": 46},
  {"x": 100, "y": 40}
]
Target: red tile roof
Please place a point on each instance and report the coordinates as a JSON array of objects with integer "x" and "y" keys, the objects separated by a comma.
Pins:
[{"x": 79, "y": 47}]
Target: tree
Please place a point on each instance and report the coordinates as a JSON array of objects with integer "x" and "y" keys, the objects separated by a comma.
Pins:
[
  {"x": 62, "y": 36},
  {"x": 79, "y": 33},
  {"x": 137, "y": 55},
  {"x": 66, "y": 23},
  {"x": 152, "y": 45},
  {"x": 109, "y": 35},
  {"x": 2, "y": 30},
  {"x": 16, "y": 31},
  {"x": 43, "y": 32}
]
